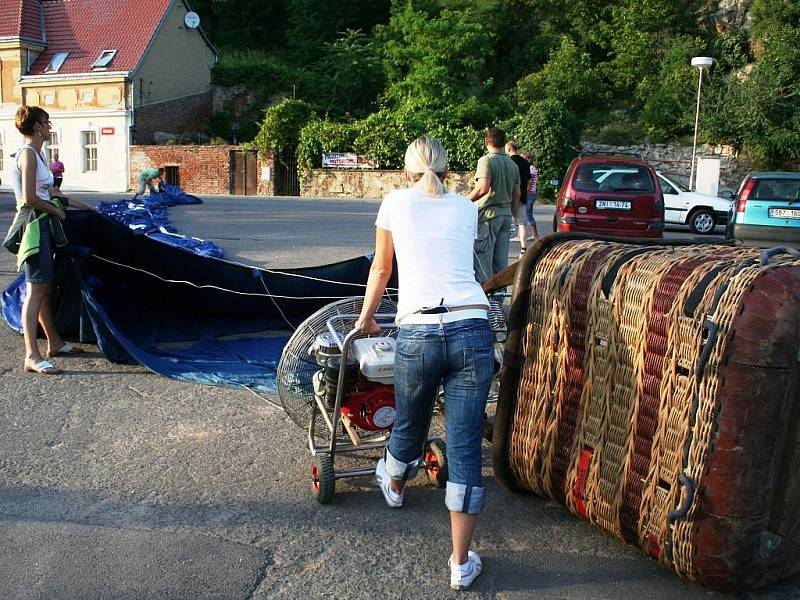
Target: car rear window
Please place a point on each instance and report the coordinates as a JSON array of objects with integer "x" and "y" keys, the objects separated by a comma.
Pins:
[
  {"x": 612, "y": 177},
  {"x": 777, "y": 189}
]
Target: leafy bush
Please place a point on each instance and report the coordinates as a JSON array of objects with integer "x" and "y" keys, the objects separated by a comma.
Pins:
[
  {"x": 384, "y": 136},
  {"x": 550, "y": 132},
  {"x": 280, "y": 129},
  {"x": 322, "y": 135},
  {"x": 615, "y": 131}
]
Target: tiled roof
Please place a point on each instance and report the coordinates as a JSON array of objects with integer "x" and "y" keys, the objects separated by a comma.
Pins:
[
  {"x": 21, "y": 18},
  {"x": 85, "y": 28}
]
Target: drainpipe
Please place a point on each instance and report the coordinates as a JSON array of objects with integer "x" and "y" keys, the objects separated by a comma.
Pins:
[
  {"x": 131, "y": 126},
  {"x": 132, "y": 113}
]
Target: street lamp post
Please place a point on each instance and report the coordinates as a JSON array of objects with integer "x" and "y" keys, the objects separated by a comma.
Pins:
[{"x": 701, "y": 62}]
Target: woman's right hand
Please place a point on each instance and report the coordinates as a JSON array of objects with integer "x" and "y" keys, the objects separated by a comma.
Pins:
[
  {"x": 367, "y": 325},
  {"x": 59, "y": 214}
]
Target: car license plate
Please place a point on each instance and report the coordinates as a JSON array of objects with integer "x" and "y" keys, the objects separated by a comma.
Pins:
[
  {"x": 784, "y": 213},
  {"x": 612, "y": 204}
]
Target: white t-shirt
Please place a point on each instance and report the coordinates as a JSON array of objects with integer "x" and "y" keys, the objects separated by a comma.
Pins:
[{"x": 433, "y": 241}]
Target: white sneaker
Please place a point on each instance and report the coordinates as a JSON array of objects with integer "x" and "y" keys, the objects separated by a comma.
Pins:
[
  {"x": 462, "y": 576},
  {"x": 382, "y": 477}
]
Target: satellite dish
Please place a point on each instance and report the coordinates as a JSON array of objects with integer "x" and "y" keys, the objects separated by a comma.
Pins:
[{"x": 192, "y": 19}]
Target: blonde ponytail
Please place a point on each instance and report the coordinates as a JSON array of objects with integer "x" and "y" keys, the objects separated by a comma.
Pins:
[{"x": 426, "y": 164}]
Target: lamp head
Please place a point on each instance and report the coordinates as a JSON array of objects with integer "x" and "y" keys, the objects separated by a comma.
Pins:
[{"x": 702, "y": 61}]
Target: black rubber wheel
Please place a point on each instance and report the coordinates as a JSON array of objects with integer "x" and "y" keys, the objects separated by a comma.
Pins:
[
  {"x": 436, "y": 462},
  {"x": 702, "y": 221},
  {"x": 555, "y": 223},
  {"x": 323, "y": 478}
]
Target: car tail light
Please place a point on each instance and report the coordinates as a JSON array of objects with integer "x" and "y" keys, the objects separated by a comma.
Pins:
[
  {"x": 744, "y": 196},
  {"x": 568, "y": 206}
]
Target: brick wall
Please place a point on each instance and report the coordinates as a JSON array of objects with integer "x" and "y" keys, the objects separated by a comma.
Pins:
[
  {"x": 188, "y": 115},
  {"x": 201, "y": 169}
]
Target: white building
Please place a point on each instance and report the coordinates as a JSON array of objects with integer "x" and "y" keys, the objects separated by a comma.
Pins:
[{"x": 108, "y": 76}]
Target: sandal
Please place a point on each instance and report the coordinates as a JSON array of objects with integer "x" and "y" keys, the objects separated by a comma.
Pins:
[
  {"x": 67, "y": 349},
  {"x": 43, "y": 367}
]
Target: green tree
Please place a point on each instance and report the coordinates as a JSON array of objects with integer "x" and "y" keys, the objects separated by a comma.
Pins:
[
  {"x": 349, "y": 76},
  {"x": 639, "y": 34},
  {"x": 568, "y": 77},
  {"x": 312, "y": 24},
  {"x": 770, "y": 112},
  {"x": 550, "y": 132},
  {"x": 436, "y": 58},
  {"x": 669, "y": 99},
  {"x": 243, "y": 24}
]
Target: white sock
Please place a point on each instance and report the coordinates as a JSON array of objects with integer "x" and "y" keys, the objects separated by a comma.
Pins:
[{"x": 465, "y": 568}]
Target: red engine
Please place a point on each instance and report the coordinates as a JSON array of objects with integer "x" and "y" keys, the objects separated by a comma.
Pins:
[{"x": 370, "y": 406}]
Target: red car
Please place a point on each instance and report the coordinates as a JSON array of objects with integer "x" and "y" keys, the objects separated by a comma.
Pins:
[{"x": 611, "y": 195}]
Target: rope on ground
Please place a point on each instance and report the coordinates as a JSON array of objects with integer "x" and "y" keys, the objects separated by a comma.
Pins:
[
  {"x": 265, "y": 399},
  {"x": 229, "y": 291}
]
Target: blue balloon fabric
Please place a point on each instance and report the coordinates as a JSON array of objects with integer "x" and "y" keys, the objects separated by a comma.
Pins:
[{"x": 169, "y": 303}]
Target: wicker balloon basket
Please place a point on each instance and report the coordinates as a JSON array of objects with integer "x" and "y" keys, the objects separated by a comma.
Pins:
[{"x": 652, "y": 388}]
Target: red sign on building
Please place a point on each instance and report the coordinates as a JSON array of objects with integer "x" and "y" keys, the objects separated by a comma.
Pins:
[{"x": 106, "y": 131}]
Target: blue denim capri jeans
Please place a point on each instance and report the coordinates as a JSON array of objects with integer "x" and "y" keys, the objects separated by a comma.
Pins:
[{"x": 460, "y": 355}]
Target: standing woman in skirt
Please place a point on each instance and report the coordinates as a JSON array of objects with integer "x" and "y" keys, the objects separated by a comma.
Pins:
[
  {"x": 33, "y": 184},
  {"x": 444, "y": 337}
]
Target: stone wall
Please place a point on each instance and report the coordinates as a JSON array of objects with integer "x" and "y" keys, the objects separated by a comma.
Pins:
[
  {"x": 366, "y": 183},
  {"x": 182, "y": 117},
  {"x": 675, "y": 159},
  {"x": 373, "y": 183}
]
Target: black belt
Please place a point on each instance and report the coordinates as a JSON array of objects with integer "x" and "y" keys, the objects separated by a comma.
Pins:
[{"x": 436, "y": 310}]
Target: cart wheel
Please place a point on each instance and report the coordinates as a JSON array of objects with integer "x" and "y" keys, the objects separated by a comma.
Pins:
[
  {"x": 323, "y": 478},
  {"x": 436, "y": 459}
]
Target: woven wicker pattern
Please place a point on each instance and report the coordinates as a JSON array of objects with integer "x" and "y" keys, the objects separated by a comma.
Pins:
[{"x": 616, "y": 399}]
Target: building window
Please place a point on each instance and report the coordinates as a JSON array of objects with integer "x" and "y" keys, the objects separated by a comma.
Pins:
[
  {"x": 89, "y": 143},
  {"x": 104, "y": 59},
  {"x": 56, "y": 62},
  {"x": 52, "y": 147}
]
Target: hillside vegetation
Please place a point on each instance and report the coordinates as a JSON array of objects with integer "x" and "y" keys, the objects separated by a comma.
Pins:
[{"x": 369, "y": 76}]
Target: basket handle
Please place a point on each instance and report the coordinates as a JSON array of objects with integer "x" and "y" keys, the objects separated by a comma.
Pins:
[{"x": 769, "y": 253}]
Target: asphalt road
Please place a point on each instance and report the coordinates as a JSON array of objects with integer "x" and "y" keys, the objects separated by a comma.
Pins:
[{"x": 117, "y": 483}]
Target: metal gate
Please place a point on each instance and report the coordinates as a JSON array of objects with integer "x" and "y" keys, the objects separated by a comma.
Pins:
[
  {"x": 244, "y": 173},
  {"x": 286, "y": 181},
  {"x": 172, "y": 175}
]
